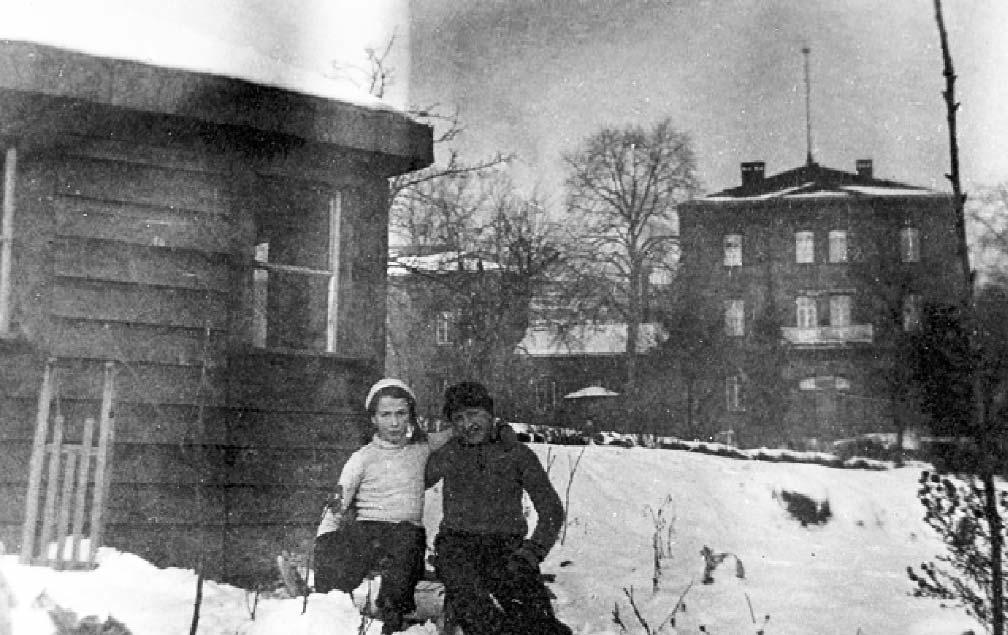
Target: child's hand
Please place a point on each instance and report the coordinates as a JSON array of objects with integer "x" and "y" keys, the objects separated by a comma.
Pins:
[
  {"x": 331, "y": 521},
  {"x": 334, "y": 517}
]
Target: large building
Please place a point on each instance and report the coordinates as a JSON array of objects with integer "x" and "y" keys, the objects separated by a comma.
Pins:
[{"x": 811, "y": 277}]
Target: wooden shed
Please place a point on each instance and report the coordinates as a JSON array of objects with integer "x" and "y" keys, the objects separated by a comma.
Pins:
[{"x": 223, "y": 244}]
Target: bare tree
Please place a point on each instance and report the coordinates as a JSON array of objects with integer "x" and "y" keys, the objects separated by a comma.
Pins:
[
  {"x": 980, "y": 414},
  {"x": 624, "y": 187},
  {"x": 376, "y": 78},
  {"x": 987, "y": 218},
  {"x": 492, "y": 250},
  {"x": 985, "y": 462}
]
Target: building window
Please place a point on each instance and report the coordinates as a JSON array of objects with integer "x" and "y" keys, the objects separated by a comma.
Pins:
[
  {"x": 546, "y": 395},
  {"x": 909, "y": 244},
  {"x": 912, "y": 312},
  {"x": 734, "y": 319},
  {"x": 296, "y": 275},
  {"x": 806, "y": 314},
  {"x": 838, "y": 246},
  {"x": 824, "y": 382},
  {"x": 443, "y": 328},
  {"x": 804, "y": 247},
  {"x": 733, "y": 250},
  {"x": 840, "y": 310},
  {"x": 733, "y": 393},
  {"x": 7, "y": 237}
]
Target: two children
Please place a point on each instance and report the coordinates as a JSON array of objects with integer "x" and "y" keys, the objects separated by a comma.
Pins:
[{"x": 490, "y": 570}]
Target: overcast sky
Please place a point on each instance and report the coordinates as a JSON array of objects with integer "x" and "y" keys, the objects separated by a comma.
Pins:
[{"x": 535, "y": 77}]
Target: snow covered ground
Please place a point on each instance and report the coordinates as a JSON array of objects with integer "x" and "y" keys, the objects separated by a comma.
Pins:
[{"x": 846, "y": 576}]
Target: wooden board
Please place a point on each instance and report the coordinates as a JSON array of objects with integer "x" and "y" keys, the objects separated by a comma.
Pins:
[
  {"x": 115, "y": 261},
  {"x": 181, "y": 346},
  {"x": 143, "y": 503},
  {"x": 175, "y": 465},
  {"x": 138, "y": 303},
  {"x": 306, "y": 383},
  {"x": 346, "y": 428},
  {"x": 137, "y": 383},
  {"x": 164, "y": 423},
  {"x": 171, "y": 147},
  {"x": 140, "y": 184},
  {"x": 142, "y": 225}
]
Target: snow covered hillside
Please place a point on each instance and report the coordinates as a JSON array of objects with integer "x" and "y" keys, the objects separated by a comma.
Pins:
[{"x": 846, "y": 575}]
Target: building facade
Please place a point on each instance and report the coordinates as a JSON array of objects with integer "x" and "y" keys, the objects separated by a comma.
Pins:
[
  {"x": 222, "y": 244},
  {"x": 425, "y": 337},
  {"x": 815, "y": 275}
]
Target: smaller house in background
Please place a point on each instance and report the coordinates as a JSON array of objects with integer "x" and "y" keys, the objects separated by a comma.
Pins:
[
  {"x": 422, "y": 329},
  {"x": 561, "y": 363}
]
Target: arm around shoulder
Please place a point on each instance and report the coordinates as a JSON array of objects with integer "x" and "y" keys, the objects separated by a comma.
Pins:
[{"x": 433, "y": 472}]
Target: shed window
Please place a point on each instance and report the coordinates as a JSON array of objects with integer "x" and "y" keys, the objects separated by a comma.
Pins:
[
  {"x": 296, "y": 276},
  {"x": 7, "y": 237},
  {"x": 733, "y": 250},
  {"x": 909, "y": 244},
  {"x": 734, "y": 318},
  {"x": 804, "y": 247},
  {"x": 838, "y": 246}
]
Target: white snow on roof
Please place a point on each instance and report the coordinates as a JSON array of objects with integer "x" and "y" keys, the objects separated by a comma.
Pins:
[
  {"x": 591, "y": 391},
  {"x": 441, "y": 261},
  {"x": 841, "y": 191},
  {"x": 869, "y": 190},
  {"x": 224, "y": 37},
  {"x": 588, "y": 339},
  {"x": 758, "y": 197},
  {"x": 818, "y": 194}
]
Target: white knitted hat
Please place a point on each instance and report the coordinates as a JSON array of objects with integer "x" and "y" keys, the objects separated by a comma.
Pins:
[{"x": 385, "y": 383}]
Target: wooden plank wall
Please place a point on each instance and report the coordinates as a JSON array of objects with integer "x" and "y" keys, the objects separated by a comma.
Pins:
[{"x": 130, "y": 252}]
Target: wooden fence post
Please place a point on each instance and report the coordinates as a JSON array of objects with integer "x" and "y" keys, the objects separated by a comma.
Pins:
[
  {"x": 106, "y": 441},
  {"x": 35, "y": 466}
]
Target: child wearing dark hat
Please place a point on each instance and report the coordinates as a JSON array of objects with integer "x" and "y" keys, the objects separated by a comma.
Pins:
[{"x": 490, "y": 570}]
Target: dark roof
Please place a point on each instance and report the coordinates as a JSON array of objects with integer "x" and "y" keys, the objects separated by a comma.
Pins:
[
  {"x": 814, "y": 180},
  {"x": 37, "y": 81}
]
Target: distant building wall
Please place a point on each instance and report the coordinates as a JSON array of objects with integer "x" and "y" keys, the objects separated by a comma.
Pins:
[{"x": 840, "y": 319}]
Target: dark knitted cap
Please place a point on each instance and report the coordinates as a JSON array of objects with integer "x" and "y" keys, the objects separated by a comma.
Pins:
[{"x": 466, "y": 394}]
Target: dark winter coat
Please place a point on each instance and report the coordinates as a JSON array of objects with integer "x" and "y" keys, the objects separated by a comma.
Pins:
[{"x": 483, "y": 487}]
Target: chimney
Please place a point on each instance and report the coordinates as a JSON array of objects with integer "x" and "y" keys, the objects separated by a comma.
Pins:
[
  {"x": 752, "y": 174},
  {"x": 864, "y": 169}
]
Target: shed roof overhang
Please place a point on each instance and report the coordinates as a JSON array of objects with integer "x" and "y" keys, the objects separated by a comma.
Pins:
[{"x": 45, "y": 90}]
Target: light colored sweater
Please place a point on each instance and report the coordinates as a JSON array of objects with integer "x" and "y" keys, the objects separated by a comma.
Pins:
[{"x": 385, "y": 482}]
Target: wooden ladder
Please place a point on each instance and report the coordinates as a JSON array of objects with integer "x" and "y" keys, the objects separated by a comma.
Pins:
[{"x": 69, "y": 473}]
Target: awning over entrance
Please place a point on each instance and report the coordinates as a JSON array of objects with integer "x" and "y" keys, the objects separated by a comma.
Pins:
[{"x": 591, "y": 391}]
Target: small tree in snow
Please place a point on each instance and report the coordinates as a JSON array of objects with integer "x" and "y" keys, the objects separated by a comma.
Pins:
[{"x": 954, "y": 508}]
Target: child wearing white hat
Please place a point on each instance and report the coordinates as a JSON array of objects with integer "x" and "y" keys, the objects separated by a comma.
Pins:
[{"x": 377, "y": 523}]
